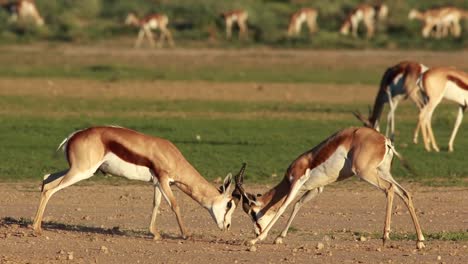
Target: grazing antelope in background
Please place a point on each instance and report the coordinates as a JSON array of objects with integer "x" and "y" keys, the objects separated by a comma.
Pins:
[
  {"x": 305, "y": 15},
  {"x": 439, "y": 21},
  {"x": 368, "y": 15},
  {"x": 398, "y": 82},
  {"x": 442, "y": 83},
  {"x": 240, "y": 18},
  {"x": 149, "y": 23},
  {"x": 127, "y": 153},
  {"x": 353, "y": 151},
  {"x": 23, "y": 10}
]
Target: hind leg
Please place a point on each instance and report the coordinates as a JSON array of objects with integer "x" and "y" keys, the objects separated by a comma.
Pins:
[
  {"x": 53, "y": 183},
  {"x": 372, "y": 177},
  {"x": 156, "y": 203},
  {"x": 382, "y": 179}
]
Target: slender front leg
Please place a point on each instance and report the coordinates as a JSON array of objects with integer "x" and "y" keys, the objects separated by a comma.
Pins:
[
  {"x": 309, "y": 195},
  {"x": 431, "y": 132},
  {"x": 461, "y": 109},
  {"x": 416, "y": 133},
  {"x": 295, "y": 187},
  {"x": 150, "y": 36},
  {"x": 167, "y": 192},
  {"x": 406, "y": 197},
  {"x": 141, "y": 35},
  {"x": 156, "y": 203}
]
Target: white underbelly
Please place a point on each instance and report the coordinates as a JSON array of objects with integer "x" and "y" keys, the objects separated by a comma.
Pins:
[
  {"x": 455, "y": 93},
  {"x": 153, "y": 24},
  {"x": 336, "y": 166},
  {"x": 119, "y": 167}
]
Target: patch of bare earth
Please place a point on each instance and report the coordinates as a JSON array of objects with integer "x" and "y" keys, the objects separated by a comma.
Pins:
[{"x": 103, "y": 223}]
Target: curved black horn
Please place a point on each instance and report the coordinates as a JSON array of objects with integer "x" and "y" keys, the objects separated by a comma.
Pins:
[{"x": 240, "y": 179}]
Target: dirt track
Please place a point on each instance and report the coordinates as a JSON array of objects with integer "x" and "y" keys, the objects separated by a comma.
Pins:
[{"x": 98, "y": 222}]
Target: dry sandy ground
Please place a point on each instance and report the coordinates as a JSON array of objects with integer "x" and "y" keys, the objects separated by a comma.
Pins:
[{"x": 104, "y": 223}]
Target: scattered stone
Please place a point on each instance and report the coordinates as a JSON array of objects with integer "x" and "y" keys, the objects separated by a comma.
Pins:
[
  {"x": 253, "y": 249},
  {"x": 70, "y": 256},
  {"x": 439, "y": 258},
  {"x": 86, "y": 217},
  {"x": 294, "y": 250},
  {"x": 320, "y": 246},
  {"x": 61, "y": 252},
  {"x": 362, "y": 239},
  {"x": 78, "y": 209},
  {"x": 379, "y": 249},
  {"x": 104, "y": 250}
]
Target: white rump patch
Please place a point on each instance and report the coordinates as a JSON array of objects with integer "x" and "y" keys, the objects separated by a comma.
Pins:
[{"x": 454, "y": 93}]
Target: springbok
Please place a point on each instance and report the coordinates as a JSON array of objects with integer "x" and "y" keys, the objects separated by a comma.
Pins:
[
  {"x": 304, "y": 15},
  {"x": 123, "y": 152},
  {"x": 240, "y": 18},
  {"x": 368, "y": 15},
  {"x": 398, "y": 82},
  {"x": 442, "y": 83},
  {"x": 23, "y": 10},
  {"x": 443, "y": 20},
  {"x": 353, "y": 151},
  {"x": 149, "y": 23}
]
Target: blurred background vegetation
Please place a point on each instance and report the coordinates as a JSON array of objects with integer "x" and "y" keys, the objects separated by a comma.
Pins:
[{"x": 197, "y": 21}]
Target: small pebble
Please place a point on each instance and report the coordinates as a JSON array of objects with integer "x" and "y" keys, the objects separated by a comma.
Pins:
[
  {"x": 253, "y": 249},
  {"x": 320, "y": 246}
]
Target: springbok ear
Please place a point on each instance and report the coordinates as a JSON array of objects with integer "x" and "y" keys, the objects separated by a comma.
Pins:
[{"x": 227, "y": 184}]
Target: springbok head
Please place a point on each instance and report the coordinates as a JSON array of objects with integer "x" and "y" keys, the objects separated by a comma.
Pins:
[
  {"x": 132, "y": 19},
  {"x": 223, "y": 207}
]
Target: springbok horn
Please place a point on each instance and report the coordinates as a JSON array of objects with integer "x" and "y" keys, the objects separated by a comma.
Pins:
[
  {"x": 361, "y": 118},
  {"x": 239, "y": 180}
]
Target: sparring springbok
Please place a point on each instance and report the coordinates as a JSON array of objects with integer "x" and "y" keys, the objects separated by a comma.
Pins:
[
  {"x": 135, "y": 156},
  {"x": 23, "y": 10},
  {"x": 240, "y": 18},
  {"x": 149, "y": 23},
  {"x": 398, "y": 82},
  {"x": 305, "y": 15},
  {"x": 442, "y": 83},
  {"x": 368, "y": 15},
  {"x": 353, "y": 151}
]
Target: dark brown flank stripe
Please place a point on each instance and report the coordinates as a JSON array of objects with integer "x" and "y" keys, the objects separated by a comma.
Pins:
[
  {"x": 154, "y": 16},
  {"x": 460, "y": 83},
  {"x": 233, "y": 12}
]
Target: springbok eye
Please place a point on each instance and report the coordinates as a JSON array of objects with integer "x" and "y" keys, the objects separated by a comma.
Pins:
[{"x": 229, "y": 205}]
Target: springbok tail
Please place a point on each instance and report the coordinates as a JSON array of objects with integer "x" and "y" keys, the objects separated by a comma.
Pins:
[
  {"x": 63, "y": 144},
  {"x": 403, "y": 161}
]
